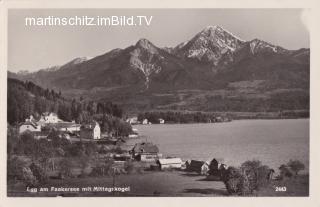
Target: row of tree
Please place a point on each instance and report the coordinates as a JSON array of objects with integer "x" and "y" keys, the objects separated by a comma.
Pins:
[
  {"x": 178, "y": 117},
  {"x": 252, "y": 176}
]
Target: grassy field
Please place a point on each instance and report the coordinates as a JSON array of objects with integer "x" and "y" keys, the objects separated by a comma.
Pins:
[
  {"x": 163, "y": 183},
  {"x": 167, "y": 183}
]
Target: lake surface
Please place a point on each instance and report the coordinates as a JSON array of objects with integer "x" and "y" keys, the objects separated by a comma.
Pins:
[{"x": 274, "y": 142}]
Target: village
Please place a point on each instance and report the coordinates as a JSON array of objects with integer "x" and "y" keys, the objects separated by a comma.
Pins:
[
  {"x": 145, "y": 152},
  {"x": 51, "y": 152}
]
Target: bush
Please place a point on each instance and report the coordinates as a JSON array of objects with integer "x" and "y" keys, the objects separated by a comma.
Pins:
[
  {"x": 250, "y": 177},
  {"x": 103, "y": 149},
  {"x": 235, "y": 182},
  {"x": 28, "y": 178},
  {"x": 26, "y": 144},
  {"x": 65, "y": 167},
  {"x": 84, "y": 162},
  {"x": 129, "y": 167},
  {"x": 102, "y": 170},
  {"x": 60, "y": 152},
  {"x": 39, "y": 173},
  {"x": 295, "y": 166},
  {"x": 256, "y": 173},
  {"x": 77, "y": 149},
  {"x": 285, "y": 172},
  {"x": 14, "y": 169},
  {"x": 91, "y": 148},
  {"x": 117, "y": 150}
]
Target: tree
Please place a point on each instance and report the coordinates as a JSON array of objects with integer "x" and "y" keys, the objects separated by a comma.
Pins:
[
  {"x": 27, "y": 143},
  {"x": 256, "y": 173},
  {"x": 235, "y": 182},
  {"x": 91, "y": 148},
  {"x": 12, "y": 140},
  {"x": 65, "y": 167},
  {"x": 14, "y": 168},
  {"x": 84, "y": 163},
  {"x": 296, "y": 166},
  {"x": 39, "y": 173},
  {"x": 54, "y": 136},
  {"x": 285, "y": 171}
]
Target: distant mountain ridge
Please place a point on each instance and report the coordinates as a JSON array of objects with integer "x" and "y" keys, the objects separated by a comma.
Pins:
[{"x": 211, "y": 61}]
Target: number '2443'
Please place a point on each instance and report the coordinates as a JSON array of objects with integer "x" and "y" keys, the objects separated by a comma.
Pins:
[{"x": 281, "y": 188}]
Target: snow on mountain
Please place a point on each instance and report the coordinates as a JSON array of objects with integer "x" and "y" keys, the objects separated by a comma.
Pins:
[
  {"x": 210, "y": 45},
  {"x": 213, "y": 57},
  {"x": 257, "y": 45},
  {"x": 77, "y": 60}
]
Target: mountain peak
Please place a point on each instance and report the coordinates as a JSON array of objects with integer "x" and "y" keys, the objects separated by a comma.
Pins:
[
  {"x": 144, "y": 43},
  {"x": 210, "y": 45},
  {"x": 257, "y": 45},
  {"x": 212, "y": 28},
  {"x": 218, "y": 31}
]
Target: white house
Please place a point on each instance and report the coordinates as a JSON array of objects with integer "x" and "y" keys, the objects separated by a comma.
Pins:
[
  {"x": 169, "y": 163},
  {"x": 133, "y": 120},
  {"x": 145, "y": 121},
  {"x": 29, "y": 126},
  {"x": 205, "y": 168},
  {"x": 90, "y": 131},
  {"x": 161, "y": 121},
  {"x": 48, "y": 118}
]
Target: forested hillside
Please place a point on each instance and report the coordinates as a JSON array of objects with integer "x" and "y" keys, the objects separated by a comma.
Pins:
[{"x": 26, "y": 98}]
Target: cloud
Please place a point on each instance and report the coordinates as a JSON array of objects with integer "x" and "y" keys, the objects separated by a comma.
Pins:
[{"x": 305, "y": 18}]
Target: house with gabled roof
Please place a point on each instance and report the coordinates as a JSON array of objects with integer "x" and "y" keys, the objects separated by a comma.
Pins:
[
  {"x": 90, "y": 131},
  {"x": 29, "y": 126},
  {"x": 169, "y": 163},
  {"x": 145, "y": 151}
]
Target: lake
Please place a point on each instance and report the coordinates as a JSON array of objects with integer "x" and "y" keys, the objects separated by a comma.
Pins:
[{"x": 274, "y": 142}]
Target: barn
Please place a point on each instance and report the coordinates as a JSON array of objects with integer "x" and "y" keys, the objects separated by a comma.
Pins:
[
  {"x": 200, "y": 167},
  {"x": 166, "y": 163}
]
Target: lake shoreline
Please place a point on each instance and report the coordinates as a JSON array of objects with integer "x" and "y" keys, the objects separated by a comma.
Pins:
[{"x": 276, "y": 140}]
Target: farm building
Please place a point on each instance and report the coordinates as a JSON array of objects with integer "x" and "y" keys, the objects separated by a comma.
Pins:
[
  {"x": 134, "y": 134},
  {"x": 169, "y": 163},
  {"x": 145, "y": 151},
  {"x": 217, "y": 169},
  {"x": 146, "y": 121},
  {"x": 200, "y": 167},
  {"x": 133, "y": 120},
  {"x": 64, "y": 126},
  {"x": 29, "y": 126},
  {"x": 90, "y": 131},
  {"x": 48, "y": 117},
  {"x": 161, "y": 121}
]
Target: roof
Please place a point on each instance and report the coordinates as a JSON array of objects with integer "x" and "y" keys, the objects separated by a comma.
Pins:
[
  {"x": 167, "y": 161},
  {"x": 29, "y": 123},
  {"x": 63, "y": 125},
  {"x": 49, "y": 113},
  {"x": 196, "y": 163},
  {"x": 89, "y": 126},
  {"x": 146, "y": 147},
  {"x": 217, "y": 160}
]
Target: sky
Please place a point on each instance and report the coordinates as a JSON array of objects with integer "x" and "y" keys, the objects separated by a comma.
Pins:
[{"x": 35, "y": 47}]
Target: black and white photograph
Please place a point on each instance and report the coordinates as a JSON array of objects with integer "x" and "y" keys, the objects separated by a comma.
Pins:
[{"x": 167, "y": 102}]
